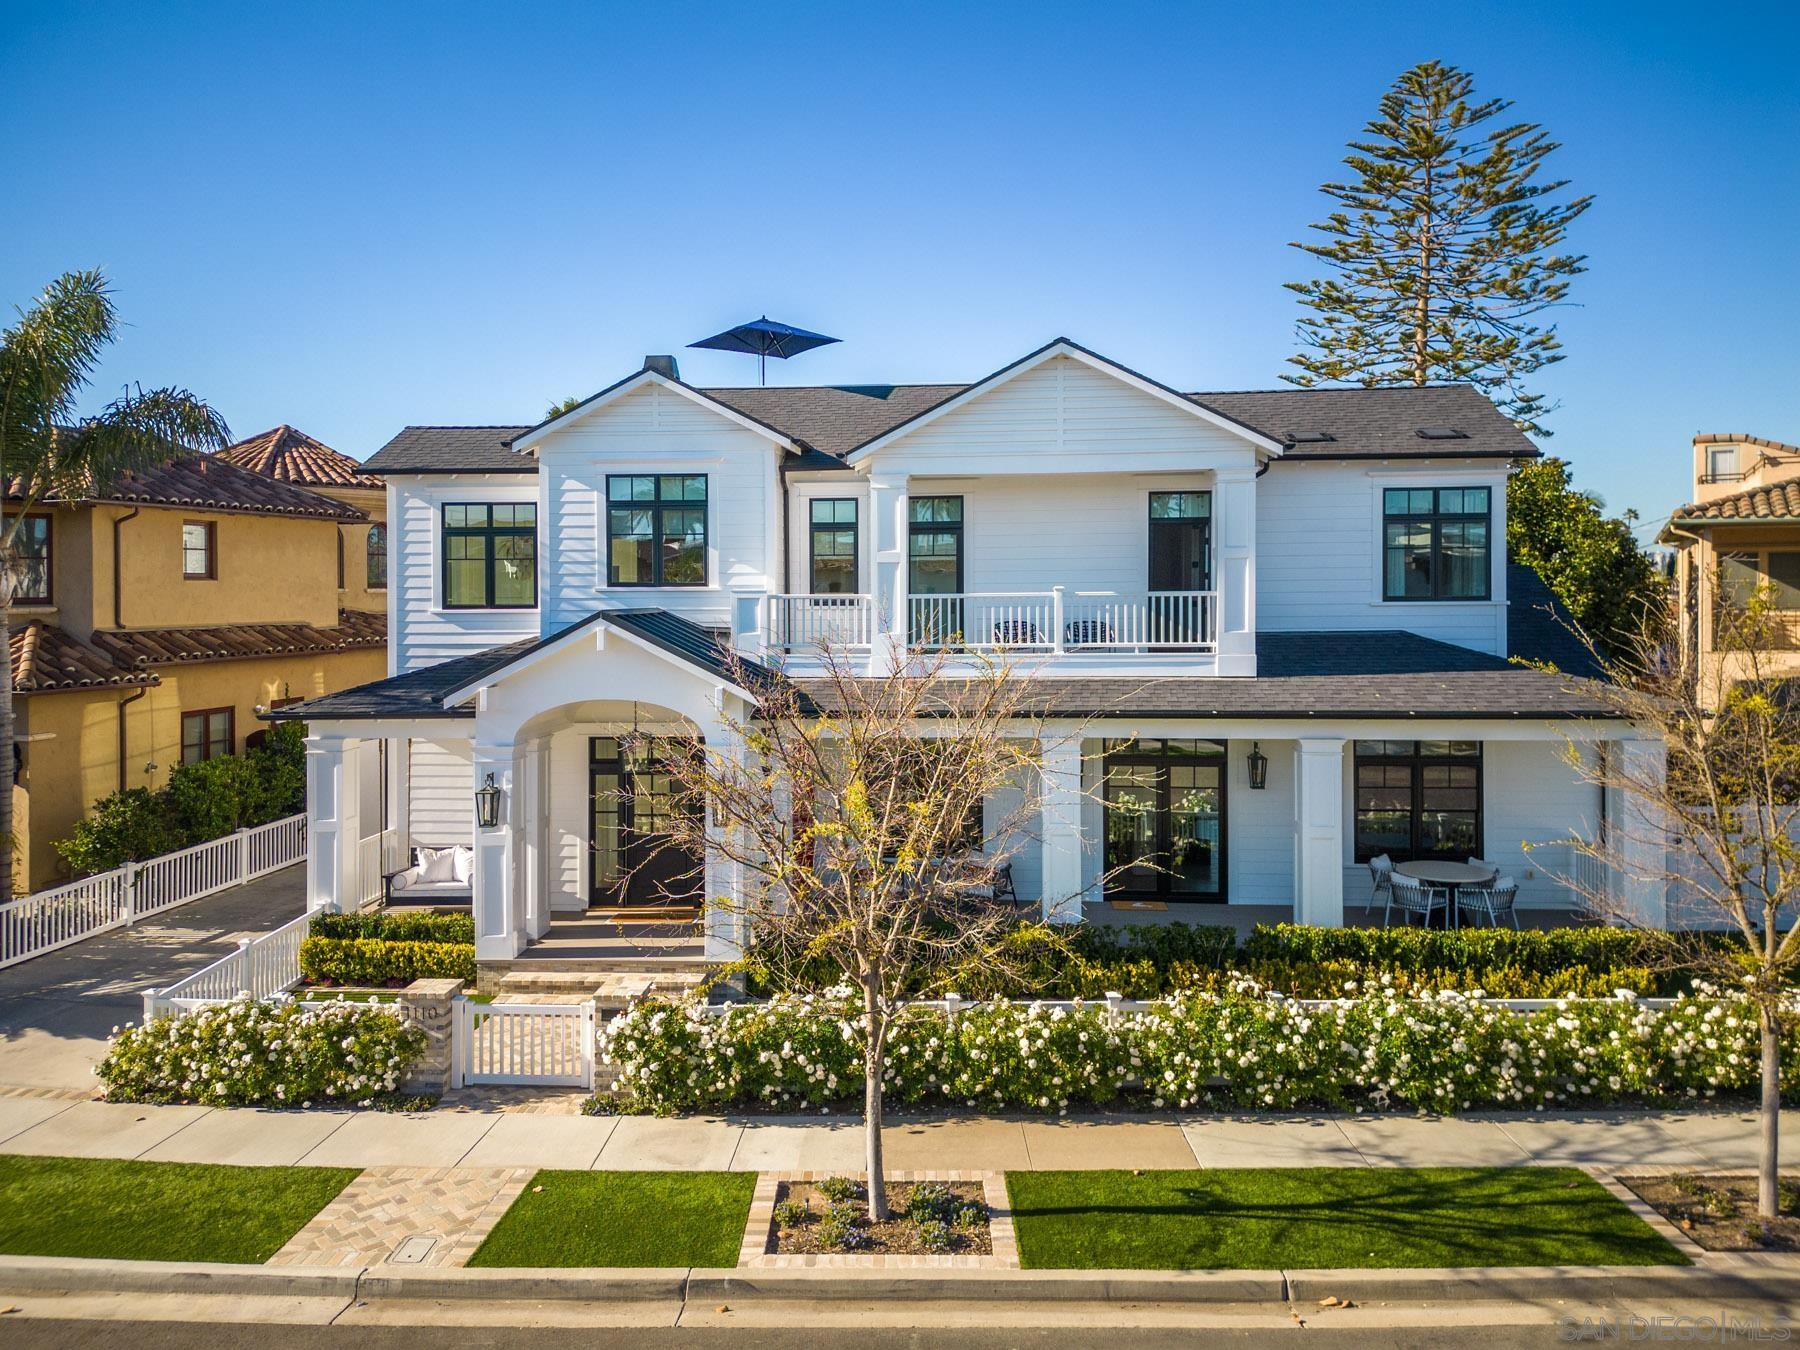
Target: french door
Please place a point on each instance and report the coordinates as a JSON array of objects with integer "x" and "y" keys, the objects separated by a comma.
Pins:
[
  {"x": 1165, "y": 820},
  {"x": 632, "y": 801}
]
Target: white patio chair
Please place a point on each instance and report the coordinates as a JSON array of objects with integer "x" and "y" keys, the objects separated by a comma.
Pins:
[
  {"x": 1492, "y": 901},
  {"x": 1411, "y": 896},
  {"x": 1492, "y": 869},
  {"x": 1381, "y": 873}
]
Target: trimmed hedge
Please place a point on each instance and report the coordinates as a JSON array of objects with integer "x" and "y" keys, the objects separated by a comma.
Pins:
[
  {"x": 372, "y": 961},
  {"x": 423, "y": 925},
  {"x": 1241, "y": 1047}
]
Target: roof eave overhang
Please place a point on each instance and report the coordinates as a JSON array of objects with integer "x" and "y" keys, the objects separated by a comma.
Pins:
[
  {"x": 1062, "y": 347},
  {"x": 523, "y": 443}
]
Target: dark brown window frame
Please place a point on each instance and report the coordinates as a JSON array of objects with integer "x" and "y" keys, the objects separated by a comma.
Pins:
[
  {"x": 371, "y": 553},
  {"x": 48, "y": 597},
  {"x": 212, "y": 551},
  {"x": 206, "y": 741}
]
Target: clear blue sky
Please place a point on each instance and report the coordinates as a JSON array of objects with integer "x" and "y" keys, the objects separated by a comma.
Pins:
[{"x": 353, "y": 217}]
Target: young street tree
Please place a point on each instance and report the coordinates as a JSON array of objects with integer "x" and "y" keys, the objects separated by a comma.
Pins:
[
  {"x": 49, "y": 453},
  {"x": 1445, "y": 245},
  {"x": 1719, "y": 827},
  {"x": 854, "y": 822}
]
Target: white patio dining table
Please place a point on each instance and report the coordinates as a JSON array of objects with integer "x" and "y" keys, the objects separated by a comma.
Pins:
[{"x": 1452, "y": 876}]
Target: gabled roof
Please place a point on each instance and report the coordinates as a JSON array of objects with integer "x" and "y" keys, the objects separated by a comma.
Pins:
[
  {"x": 1052, "y": 350},
  {"x": 1776, "y": 502},
  {"x": 292, "y": 456},
  {"x": 429, "y": 449},
  {"x": 142, "y": 647},
  {"x": 45, "y": 658},
  {"x": 207, "y": 483},
  {"x": 630, "y": 385}
]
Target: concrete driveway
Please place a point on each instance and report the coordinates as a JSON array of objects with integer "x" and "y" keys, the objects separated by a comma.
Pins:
[{"x": 57, "y": 1011}]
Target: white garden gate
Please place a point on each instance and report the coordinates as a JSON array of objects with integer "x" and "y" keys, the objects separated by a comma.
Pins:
[{"x": 536, "y": 1044}]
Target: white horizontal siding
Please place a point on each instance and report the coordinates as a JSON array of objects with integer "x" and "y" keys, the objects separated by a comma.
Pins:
[
  {"x": 658, "y": 430},
  {"x": 421, "y": 632},
  {"x": 441, "y": 794},
  {"x": 1259, "y": 855},
  {"x": 1318, "y": 554}
]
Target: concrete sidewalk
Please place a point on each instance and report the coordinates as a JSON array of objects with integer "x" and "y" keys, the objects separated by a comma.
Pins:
[
  {"x": 57, "y": 1011},
  {"x": 492, "y": 1139}
]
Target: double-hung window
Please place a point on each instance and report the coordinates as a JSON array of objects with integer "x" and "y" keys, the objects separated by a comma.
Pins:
[
  {"x": 1418, "y": 799},
  {"x": 199, "y": 550},
  {"x": 490, "y": 555},
  {"x": 31, "y": 550},
  {"x": 831, "y": 546},
  {"x": 1435, "y": 543},
  {"x": 656, "y": 529}
]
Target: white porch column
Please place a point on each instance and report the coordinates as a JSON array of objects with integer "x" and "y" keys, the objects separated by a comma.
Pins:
[
  {"x": 1319, "y": 832},
  {"x": 533, "y": 832},
  {"x": 1639, "y": 831},
  {"x": 727, "y": 929},
  {"x": 1234, "y": 522},
  {"x": 1061, "y": 829},
  {"x": 499, "y": 908},
  {"x": 398, "y": 824},
  {"x": 333, "y": 825},
  {"x": 889, "y": 527}
]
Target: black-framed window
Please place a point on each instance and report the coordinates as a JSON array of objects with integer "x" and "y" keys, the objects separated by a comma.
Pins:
[
  {"x": 31, "y": 548},
  {"x": 656, "y": 529},
  {"x": 199, "y": 550},
  {"x": 207, "y": 734},
  {"x": 832, "y": 546},
  {"x": 490, "y": 555},
  {"x": 1180, "y": 541},
  {"x": 1436, "y": 543},
  {"x": 376, "y": 550},
  {"x": 1165, "y": 818},
  {"x": 1418, "y": 799},
  {"x": 934, "y": 546}
]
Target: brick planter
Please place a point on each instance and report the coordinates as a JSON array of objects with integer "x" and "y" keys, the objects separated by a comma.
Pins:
[{"x": 759, "y": 1231}]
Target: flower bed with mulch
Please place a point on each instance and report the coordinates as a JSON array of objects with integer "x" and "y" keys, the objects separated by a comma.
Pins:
[
  {"x": 927, "y": 1218},
  {"x": 1719, "y": 1212}
]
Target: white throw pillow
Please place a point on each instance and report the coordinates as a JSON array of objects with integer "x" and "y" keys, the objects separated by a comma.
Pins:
[
  {"x": 437, "y": 864},
  {"x": 462, "y": 863}
]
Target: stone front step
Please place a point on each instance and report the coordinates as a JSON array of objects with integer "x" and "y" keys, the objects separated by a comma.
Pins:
[{"x": 610, "y": 990}]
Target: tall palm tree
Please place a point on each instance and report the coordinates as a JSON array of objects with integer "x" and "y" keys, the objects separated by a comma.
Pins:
[{"x": 50, "y": 453}]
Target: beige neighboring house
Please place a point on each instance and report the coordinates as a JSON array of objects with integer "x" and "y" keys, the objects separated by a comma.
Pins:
[{"x": 1740, "y": 532}]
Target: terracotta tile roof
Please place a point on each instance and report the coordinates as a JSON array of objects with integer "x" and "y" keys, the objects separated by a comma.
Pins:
[
  {"x": 208, "y": 483},
  {"x": 45, "y": 658},
  {"x": 1744, "y": 438},
  {"x": 292, "y": 456},
  {"x": 1777, "y": 501},
  {"x": 140, "y": 648}
]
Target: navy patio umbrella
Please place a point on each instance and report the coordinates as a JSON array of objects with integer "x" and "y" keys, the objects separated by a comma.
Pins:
[{"x": 764, "y": 338}]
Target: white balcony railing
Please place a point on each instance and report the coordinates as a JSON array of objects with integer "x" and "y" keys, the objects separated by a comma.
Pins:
[
  {"x": 1059, "y": 620},
  {"x": 797, "y": 622}
]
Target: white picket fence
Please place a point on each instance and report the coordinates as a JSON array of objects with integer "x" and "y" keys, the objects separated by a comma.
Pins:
[
  {"x": 543, "y": 1044},
  {"x": 260, "y": 968},
  {"x": 107, "y": 900}
]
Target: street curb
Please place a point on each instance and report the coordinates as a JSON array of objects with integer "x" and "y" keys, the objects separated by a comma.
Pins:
[
  {"x": 987, "y": 1285},
  {"x": 593, "y": 1283},
  {"x": 1718, "y": 1277},
  {"x": 75, "y": 1274}
]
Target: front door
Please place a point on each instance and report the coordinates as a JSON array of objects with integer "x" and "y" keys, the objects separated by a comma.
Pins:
[
  {"x": 1165, "y": 820},
  {"x": 632, "y": 798}
]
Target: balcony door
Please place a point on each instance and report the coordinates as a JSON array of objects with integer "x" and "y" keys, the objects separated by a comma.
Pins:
[
  {"x": 632, "y": 798},
  {"x": 1165, "y": 820},
  {"x": 934, "y": 570},
  {"x": 1180, "y": 564}
]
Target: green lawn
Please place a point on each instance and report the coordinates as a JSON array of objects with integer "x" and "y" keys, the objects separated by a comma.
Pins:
[
  {"x": 623, "y": 1219},
  {"x": 1306, "y": 1218},
  {"x": 157, "y": 1211}
]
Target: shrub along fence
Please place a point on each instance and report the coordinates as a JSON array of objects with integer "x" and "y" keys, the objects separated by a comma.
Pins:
[
  {"x": 1241, "y": 1047},
  {"x": 388, "y": 949}
]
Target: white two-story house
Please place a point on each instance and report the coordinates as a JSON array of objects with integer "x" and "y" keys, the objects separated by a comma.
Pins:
[{"x": 1282, "y": 620}]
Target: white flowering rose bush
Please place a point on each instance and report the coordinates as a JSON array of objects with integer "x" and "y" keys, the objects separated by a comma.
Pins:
[
  {"x": 247, "y": 1053},
  {"x": 1243, "y": 1046}
]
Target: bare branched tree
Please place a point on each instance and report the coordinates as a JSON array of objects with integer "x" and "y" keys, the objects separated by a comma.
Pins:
[
  {"x": 1716, "y": 822},
  {"x": 854, "y": 821}
]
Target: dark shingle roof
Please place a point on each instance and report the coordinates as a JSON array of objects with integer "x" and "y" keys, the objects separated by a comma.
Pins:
[
  {"x": 832, "y": 420},
  {"x": 1538, "y": 627},
  {"x": 1377, "y": 423},
  {"x": 1778, "y": 501},
  {"x": 44, "y": 658},
  {"x": 291, "y": 455},
  {"x": 452, "y": 450},
  {"x": 140, "y": 647}
]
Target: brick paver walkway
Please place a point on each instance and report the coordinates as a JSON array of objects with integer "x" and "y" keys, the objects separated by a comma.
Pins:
[{"x": 423, "y": 1216}]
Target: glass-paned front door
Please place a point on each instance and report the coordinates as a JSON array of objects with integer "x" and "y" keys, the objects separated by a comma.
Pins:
[
  {"x": 632, "y": 799},
  {"x": 1165, "y": 820}
]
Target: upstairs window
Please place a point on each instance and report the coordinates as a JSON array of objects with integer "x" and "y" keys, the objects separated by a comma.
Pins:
[
  {"x": 656, "y": 529},
  {"x": 1181, "y": 541},
  {"x": 832, "y": 546},
  {"x": 377, "y": 554},
  {"x": 1722, "y": 465},
  {"x": 32, "y": 550},
  {"x": 490, "y": 556},
  {"x": 1436, "y": 544},
  {"x": 1418, "y": 799},
  {"x": 199, "y": 550},
  {"x": 206, "y": 734}
]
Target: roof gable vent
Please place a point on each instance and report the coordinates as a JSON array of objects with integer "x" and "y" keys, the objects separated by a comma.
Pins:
[{"x": 1442, "y": 434}]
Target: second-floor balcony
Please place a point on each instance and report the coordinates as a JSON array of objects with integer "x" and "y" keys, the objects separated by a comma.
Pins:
[{"x": 1054, "y": 622}]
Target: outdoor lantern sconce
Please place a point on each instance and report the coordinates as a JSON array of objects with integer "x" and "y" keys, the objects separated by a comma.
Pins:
[
  {"x": 1259, "y": 767},
  {"x": 487, "y": 804}
]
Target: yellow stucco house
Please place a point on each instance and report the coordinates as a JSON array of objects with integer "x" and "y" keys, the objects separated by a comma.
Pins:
[
  {"x": 1740, "y": 533},
  {"x": 156, "y": 621}
]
